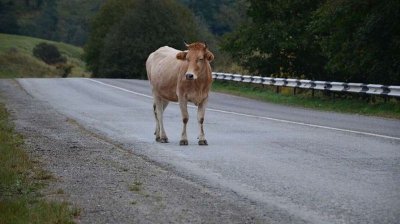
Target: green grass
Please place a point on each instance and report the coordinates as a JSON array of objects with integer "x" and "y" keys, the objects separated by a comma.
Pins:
[
  {"x": 20, "y": 182},
  {"x": 349, "y": 104},
  {"x": 17, "y": 60},
  {"x": 136, "y": 186}
]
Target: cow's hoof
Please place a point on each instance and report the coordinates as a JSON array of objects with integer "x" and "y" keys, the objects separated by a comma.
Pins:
[
  {"x": 183, "y": 142},
  {"x": 203, "y": 142},
  {"x": 164, "y": 140}
]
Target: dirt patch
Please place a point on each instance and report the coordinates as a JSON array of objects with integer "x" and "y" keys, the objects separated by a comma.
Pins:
[{"x": 108, "y": 183}]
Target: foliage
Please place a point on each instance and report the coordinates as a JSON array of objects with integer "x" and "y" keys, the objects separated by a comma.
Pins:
[
  {"x": 68, "y": 20},
  {"x": 221, "y": 16},
  {"x": 63, "y": 20},
  {"x": 74, "y": 20},
  {"x": 333, "y": 40},
  {"x": 275, "y": 41},
  {"x": 48, "y": 53},
  {"x": 109, "y": 15},
  {"x": 8, "y": 19},
  {"x": 46, "y": 23},
  {"x": 123, "y": 36},
  {"x": 360, "y": 39}
]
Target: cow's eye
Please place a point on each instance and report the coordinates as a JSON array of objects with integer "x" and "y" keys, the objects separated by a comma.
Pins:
[{"x": 200, "y": 59}]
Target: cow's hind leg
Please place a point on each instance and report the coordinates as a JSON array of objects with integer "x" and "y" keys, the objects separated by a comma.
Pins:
[
  {"x": 157, "y": 131},
  {"x": 160, "y": 106},
  {"x": 185, "y": 119},
  {"x": 200, "y": 118}
]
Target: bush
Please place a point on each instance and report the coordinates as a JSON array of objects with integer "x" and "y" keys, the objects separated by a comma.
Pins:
[
  {"x": 65, "y": 69},
  {"x": 48, "y": 53},
  {"x": 124, "y": 47}
]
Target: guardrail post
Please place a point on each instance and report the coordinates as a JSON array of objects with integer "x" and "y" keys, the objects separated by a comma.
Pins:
[{"x": 277, "y": 89}]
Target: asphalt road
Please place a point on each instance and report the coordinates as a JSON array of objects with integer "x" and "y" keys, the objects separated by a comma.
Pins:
[{"x": 317, "y": 167}]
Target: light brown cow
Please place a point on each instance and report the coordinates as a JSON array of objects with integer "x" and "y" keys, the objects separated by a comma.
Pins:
[{"x": 183, "y": 76}]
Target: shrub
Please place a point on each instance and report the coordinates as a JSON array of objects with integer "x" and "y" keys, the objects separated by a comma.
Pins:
[
  {"x": 65, "y": 69},
  {"x": 48, "y": 53}
]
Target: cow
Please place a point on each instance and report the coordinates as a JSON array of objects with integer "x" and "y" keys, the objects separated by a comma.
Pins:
[{"x": 180, "y": 76}]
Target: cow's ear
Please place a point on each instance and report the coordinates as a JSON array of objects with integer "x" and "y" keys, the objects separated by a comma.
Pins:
[
  {"x": 209, "y": 56},
  {"x": 181, "y": 55}
]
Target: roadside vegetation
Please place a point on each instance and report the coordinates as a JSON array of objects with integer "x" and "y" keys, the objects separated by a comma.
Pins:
[
  {"x": 21, "y": 180},
  {"x": 344, "y": 103},
  {"x": 17, "y": 59}
]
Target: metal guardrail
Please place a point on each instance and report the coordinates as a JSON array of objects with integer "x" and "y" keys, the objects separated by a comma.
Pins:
[{"x": 372, "y": 89}]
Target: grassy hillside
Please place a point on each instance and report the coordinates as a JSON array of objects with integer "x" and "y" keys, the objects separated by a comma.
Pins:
[{"x": 17, "y": 60}]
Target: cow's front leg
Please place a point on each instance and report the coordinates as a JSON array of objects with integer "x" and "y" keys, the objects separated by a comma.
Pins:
[
  {"x": 160, "y": 106},
  {"x": 185, "y": 119},
  {"x": 201, "y": 110}
]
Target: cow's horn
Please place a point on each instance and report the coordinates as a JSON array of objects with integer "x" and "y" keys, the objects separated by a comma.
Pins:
[
  {"x": 205, "y": 44},
  {"x": 187, "y": 45}
]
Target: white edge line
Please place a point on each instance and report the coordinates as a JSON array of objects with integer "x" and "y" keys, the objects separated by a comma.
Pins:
[
  {"x": 259, "y": 117},
  {"x": 122, "y": 89}
]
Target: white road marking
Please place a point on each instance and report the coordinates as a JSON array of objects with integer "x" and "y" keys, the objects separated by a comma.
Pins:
[
  {"x": 122, "y": 89},
  {"x": 261, "y": 117}
]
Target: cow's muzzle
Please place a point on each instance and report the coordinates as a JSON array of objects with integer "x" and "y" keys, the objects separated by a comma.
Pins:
[{"x": 189, "y": 76}]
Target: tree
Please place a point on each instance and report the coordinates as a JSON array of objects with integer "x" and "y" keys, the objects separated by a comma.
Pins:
[
  {"x": 8, "y": 19},
  {"x": 360, "y": 39},
  {"x": 276, "y": 42},
  {"x": 146, "y": 27},
  {"x": 74, "y": 18},
  {"x": 221, "y": 16},
  {"x": 108, "y": 16},
  {"x": 46, "y": 24}
]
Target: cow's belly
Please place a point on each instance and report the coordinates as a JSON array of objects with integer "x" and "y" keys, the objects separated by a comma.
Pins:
[{"x": 165, "y": 91}]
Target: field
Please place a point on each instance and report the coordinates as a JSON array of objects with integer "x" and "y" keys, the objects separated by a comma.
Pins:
[{"x": 17, "y": 60}]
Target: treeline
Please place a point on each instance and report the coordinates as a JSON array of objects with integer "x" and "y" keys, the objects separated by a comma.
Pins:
[
  {"x": 60, "y": 20},
  {"x": 125, "y": 32},
  {"x": 220, "y": 16},
  {"x": 334, "y": 40}
]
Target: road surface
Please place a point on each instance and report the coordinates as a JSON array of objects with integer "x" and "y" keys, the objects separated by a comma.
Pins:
[{"x": 310, "y": 166}]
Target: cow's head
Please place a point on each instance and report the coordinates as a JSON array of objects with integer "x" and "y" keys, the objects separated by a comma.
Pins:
[{"x": 198, "y": 58}]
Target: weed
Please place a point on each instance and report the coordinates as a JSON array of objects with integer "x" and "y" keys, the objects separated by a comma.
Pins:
[{"x": 136, "y": 186}]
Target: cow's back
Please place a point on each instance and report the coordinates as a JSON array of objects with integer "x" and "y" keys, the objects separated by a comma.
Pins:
[{"x": 163, "y": 70}]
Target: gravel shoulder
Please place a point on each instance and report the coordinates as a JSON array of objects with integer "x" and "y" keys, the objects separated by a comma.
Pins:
[{"x": 109, "y": 183}]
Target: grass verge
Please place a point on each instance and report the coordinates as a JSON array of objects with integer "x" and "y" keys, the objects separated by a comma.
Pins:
[
  {"x": 20, "y": 182},
  {"x": 376, "y": 106}
]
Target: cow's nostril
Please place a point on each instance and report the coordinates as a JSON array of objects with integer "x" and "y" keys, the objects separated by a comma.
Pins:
[{"x": 189, "y": 76}]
